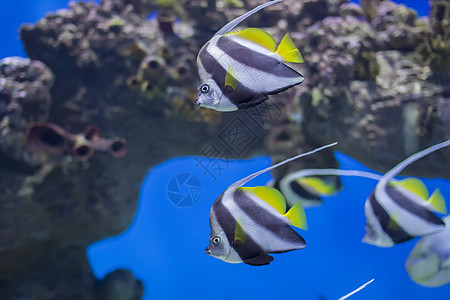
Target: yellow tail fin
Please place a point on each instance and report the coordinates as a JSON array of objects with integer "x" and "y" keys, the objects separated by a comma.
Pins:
[
  {"x": 437, "y": 202},
  {"x": 288, "y": 51},
  {"x": 297, "y": 216}
]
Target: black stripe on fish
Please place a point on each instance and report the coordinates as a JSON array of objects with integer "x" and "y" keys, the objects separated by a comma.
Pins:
[
  {"x": 412, "y": 207},
  {"x": 242, "y": 97},
  {"x": 256, "y": 60},
  {"x": 397, "y": 234},
  {"x": 302, "y": 192},
  {"x": 247, "y": 250},
  {"x": 266, "y": 220}
]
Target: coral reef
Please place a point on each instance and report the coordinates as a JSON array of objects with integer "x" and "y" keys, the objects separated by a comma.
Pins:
[{"x": 376, "y": 81}]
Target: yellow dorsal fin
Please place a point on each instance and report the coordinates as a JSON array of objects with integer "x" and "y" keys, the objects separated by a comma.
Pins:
[
  {"x": 230, "y": 79},
  {"x": 297, "y": 216},
  {"x": 317, "y": 185},
  {"x": 270, "y": 195},
  {"x": 288, "y": 51},
  {"x": 257, "y": 36},
  {"x": 413, "y": 185},
  {"x": 437, "y": 202},
  {"x": 239, "y": 233}
]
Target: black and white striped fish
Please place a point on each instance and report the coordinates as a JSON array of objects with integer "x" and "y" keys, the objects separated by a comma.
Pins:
[
  {"x": 247, "y": 223},
  {"x": 240, "y": 69},
  {"x": 397, "y": 211}
]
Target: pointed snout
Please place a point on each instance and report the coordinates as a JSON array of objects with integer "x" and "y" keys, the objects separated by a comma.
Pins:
[
  {"x": 197, "y": 102},
  {"x": 208, "y": 250}
]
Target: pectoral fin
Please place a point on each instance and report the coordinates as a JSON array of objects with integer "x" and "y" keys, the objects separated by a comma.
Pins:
[
  {"x": 231, "y": 82},
  {"x": 239, "y": 233}
]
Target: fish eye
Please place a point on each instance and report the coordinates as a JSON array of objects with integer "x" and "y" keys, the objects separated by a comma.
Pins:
[
  {"x": 216, "y": 241},
  {"x": 423, "y": 254},
  {"x": 204, "y": 88}
]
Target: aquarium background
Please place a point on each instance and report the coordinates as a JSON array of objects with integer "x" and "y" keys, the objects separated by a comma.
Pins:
[{"x": 164, "y": 245}]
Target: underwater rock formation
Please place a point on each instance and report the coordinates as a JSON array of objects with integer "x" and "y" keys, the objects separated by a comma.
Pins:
[
  {"x": 57, "y": 194},
  {"x": 376, "y": 82},
  {"x": 371, "y": 86}
]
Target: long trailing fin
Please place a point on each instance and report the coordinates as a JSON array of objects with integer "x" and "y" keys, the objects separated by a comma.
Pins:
[
  {"x": 251, "y": 176},
  {"x": 398, "y": 168},
  {"x": 337, "y": 172},
  {"x": 285, "y": 181},
  {"x": 357, "y": 290},
  {"x": 233, "y": 23}
]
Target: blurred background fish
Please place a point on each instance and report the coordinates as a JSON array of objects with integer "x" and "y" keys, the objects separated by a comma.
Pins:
[
  {"x": 399, "y": 211},
  {"x": 428, "y": 264},
  {"x": 309, "y": 185},
  {"x": 240, "y": 69}
]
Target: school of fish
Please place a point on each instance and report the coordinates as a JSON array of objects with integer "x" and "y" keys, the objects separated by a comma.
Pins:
[{"x": 239, "y": 70}]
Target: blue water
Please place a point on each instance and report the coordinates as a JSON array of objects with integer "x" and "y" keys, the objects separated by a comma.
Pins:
[{"x": 164, "y": 245}]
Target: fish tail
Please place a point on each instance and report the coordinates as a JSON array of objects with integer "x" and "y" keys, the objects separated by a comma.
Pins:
[
  {"x": 297, "y": 216},
  {"x": 288, "y": 51},
  {"x": 437, "y": 202}
]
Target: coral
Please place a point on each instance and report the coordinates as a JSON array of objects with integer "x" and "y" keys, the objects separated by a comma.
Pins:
[
  {"x": 24, "y": 98},
  {"x": 367, "y": 87},
  {"x": 121, "y": 284},
  {"x": 47, "y": 141},
  {"x": 435, "y": 47},
  {"x": 56, "y": 195}
]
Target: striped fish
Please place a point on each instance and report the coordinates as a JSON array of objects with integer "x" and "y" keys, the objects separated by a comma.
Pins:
[
  {"x": 307, "y": 189},
  {"x": 428, "y": 264},
  {"x": 397, "y": 211},
  {"x": 240, "y": 69},
  {"x": 247, "y": 223},
  {"x": 309, "y": 185}
]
